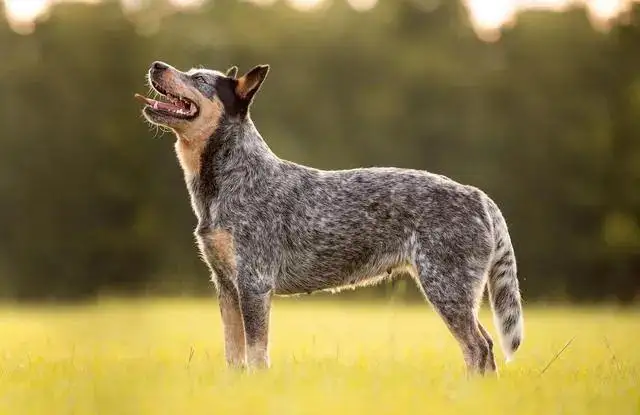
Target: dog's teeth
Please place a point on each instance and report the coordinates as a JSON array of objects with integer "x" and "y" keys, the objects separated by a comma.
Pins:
[{"x": 155, "y": 105}]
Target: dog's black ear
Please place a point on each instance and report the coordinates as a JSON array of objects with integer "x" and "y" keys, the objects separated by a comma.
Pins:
[
  {"x": 249, "y": 83},
  {"x": 232, "y": 72}
]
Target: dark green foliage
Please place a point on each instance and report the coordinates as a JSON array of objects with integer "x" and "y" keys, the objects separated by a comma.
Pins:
[{"x": 546, "y": 121}]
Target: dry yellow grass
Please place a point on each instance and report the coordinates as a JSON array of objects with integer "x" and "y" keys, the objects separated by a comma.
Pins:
[{"x": 165, "y": 357}]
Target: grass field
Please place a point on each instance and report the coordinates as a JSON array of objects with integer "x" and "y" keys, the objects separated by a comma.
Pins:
[{"x": 165, "y": 357}]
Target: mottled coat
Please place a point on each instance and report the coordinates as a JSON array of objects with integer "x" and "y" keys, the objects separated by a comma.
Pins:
[{"x": 270, "y": 226}]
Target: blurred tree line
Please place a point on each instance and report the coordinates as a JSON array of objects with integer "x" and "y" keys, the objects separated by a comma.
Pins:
[{"x": 545, "y": 120}]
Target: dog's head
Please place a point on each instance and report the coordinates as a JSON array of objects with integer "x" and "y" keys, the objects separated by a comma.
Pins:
[{"x": 193, "y": 103}]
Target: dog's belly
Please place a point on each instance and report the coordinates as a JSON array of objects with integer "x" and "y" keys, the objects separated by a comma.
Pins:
[{"x": 296, "y": 286}]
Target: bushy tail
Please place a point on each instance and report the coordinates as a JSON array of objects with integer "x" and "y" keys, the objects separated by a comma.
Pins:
[{"x": 504, "y": 291}]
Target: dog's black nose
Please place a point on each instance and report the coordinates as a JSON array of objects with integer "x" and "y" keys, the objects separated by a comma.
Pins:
[{"x": 159, "y": 66}]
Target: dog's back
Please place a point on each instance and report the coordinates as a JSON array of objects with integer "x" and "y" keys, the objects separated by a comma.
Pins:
[{"x": 343, "y": 228}]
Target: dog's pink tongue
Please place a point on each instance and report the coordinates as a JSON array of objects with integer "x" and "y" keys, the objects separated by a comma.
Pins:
[{"x": 158, "y": 105}]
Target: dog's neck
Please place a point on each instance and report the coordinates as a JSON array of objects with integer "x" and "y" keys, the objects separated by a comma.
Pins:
[{"x": 235, "y": 157}]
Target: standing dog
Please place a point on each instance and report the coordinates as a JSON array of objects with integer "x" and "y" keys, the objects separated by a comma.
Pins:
[{"x": 269, "y": 226}]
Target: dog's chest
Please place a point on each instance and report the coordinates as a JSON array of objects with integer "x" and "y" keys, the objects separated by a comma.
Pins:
[{"x": 205, "y": 203}]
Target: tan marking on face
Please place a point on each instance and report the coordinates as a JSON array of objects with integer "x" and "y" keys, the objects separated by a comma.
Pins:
[
  {"x": 192, "y": 138},
  {"x": 234, "y": 342},
  {"x": 192, "y": 134}
]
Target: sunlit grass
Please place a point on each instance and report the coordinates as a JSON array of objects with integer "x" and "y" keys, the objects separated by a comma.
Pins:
[{"x": 165, "y": 357}]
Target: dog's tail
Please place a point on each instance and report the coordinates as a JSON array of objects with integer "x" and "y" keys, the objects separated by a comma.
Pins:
[{"x": 504, "y": 291}]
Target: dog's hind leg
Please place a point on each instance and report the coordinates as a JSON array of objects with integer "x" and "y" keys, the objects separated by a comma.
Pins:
[
  {"x": 452, "y": 292},
  {"x": 255, "y": 304},
  {"x": 491, "y": 361}
]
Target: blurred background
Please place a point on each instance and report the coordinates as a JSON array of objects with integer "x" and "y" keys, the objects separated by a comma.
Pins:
[{"x": 535, "y": 102}]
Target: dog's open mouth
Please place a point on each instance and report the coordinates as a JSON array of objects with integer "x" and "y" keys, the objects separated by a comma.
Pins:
[{"x": 175, "y": 106}]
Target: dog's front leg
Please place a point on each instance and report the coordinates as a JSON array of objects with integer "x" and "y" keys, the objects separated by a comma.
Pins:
[
  {"x": 218, "y": 251},
  {"x": 255, "y": 303},
  {"x": 234, "y": 342}
]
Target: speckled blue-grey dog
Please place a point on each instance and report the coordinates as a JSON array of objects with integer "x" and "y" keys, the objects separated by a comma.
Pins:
[{"x": 269, "y": 226}]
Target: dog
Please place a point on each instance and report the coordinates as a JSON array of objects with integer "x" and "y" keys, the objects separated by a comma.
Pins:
[{"x": 268, "y": 226}]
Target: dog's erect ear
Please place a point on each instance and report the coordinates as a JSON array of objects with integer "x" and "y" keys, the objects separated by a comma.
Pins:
[
  {"x": 249, "y": 83},
  {"x": 232, "y": 72}
]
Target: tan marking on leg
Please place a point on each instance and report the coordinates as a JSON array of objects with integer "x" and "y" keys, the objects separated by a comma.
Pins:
[
  {"x": 223, "y": 250},
  {"x": 218, "y": 248},
  {"x": 234, "y": 342},
  {"x": 218, "y": 251}
]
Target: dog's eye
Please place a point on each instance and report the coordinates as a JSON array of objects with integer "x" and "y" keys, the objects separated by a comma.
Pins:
[{"x": 200, "y": 78}]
